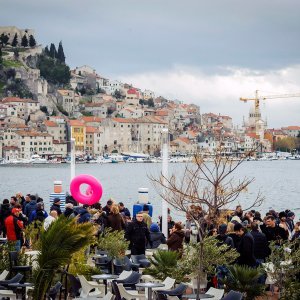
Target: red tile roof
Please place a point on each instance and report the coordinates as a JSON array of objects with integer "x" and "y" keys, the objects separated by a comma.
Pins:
[
  {"x": 50, "y": 123},
  {"x": 76, "y": 123},
  {"x": 91, "y": 129},
  {"x": 291, "y": 128},
  {"x": 132, "y": 91},
  {"x": 15, "y": 99},
  {"x": 91, "y": 119},
  {"x": 32, "y": 133}
]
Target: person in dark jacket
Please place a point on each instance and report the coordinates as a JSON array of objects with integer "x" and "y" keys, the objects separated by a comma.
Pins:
[
  {"x": 175, "y": 241},
  {"x": 31, "y": 206},
  {"x": 69, "y": 210},
  {"x": 223, "y": 238},
  {"x": 261, "y": 247},
  {"x": 56, "y": 206},
  {"x": 137, "y": 233},
  {"x": 246, "y": 247},
  {"x": 39, "y": 214},
  {"x": 156, "y": 236},
  {"x": 124, "y": 210},
  {"x": 4, "y": 213},
  {"x": 115, "y": 220},
  {"x": 107, "y": 207},
  {"x": 83, "y": 215},
  {"x": 273, "y": 231}
]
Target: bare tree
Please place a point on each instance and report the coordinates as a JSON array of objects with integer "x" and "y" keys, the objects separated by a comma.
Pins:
[{"x": 209, "y": 184}]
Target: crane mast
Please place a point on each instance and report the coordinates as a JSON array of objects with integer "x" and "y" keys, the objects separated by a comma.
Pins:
[{"x": 257, "y": 98}]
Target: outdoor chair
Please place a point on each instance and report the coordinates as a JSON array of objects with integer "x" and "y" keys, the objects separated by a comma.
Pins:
[
  {"x": 178, "y": 291},
  {"x": 129, "y": 295},
  {"x": 15, "y": 279},
  {"x": 75, "y": 287},
  {"x": 4, "y": 294},
  {"x": 51, "y": 295},
  {"x": 124, "y": 274},
  {"x": 116, "y": 291},
  {"x": 140, "y": 259},
  {"x": 119, "y": 265},
  {"x": 15, "y": 267},
  {"x": 108, "y": 296},
  {"x": 233, "y": 295},
  {"x": 217, "y": 293},
  {"x": 129, "y": 265},
  {"x": 131, "y": 280},
  {"x": 168, "y": 284},
  {"x": 104, "y": 263},
  {"x": 3, "y": 275},
  {"x": 88, "y": 286}
]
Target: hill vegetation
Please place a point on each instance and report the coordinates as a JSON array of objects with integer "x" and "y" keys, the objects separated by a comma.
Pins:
[{"x": 52, "y": 66}]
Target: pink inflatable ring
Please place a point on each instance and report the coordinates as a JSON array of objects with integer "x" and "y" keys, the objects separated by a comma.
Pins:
[{"x": 94, "y": 189}]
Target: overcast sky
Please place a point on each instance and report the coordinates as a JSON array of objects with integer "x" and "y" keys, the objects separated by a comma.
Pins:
[{"x": 205, "y": 52}]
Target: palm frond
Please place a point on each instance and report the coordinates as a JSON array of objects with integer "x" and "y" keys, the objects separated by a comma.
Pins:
[{"x": 63, "y": 238}]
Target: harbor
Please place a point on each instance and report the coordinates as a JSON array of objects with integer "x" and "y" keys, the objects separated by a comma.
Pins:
[{"x": 278, "y": 180}]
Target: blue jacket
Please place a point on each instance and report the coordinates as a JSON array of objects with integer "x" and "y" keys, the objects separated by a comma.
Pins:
[
  {"x": 84, "y": 215},
  {"x": 34, "y": 216},
  {"x": 30, "y": 207}
]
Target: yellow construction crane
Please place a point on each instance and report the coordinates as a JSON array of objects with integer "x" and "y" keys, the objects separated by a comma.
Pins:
[{"x": 258, "y": 98}]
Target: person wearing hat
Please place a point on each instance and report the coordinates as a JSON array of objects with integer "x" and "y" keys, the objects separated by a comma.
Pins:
[
  {"x": 156, "y": 236},
  {"x": 14, "y": 228},
  {"x": 56, "y": 206},
  {"x": 223, "y": 238}
]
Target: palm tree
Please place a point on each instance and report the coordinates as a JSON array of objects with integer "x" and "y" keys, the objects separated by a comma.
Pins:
[{"x": 63, "y": 238}]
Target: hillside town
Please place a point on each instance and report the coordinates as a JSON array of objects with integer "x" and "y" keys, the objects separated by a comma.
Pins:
[{"x": 107, "y": 116}]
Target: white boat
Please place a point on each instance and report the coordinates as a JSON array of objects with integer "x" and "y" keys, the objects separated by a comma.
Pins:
[
  {"x": 115, "y": 158},
  {"x": 36, "y": 159},
  {"x": 135, "y": 154},
  {"x": 131, "y": 160},
  {"x": 103, "y": 160}
]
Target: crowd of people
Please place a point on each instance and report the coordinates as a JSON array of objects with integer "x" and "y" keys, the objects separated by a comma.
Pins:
[{"x": 248, "y": 232}]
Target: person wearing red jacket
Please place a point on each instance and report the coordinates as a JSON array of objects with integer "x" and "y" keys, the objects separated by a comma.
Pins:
[{"x": 14, "y": 228}]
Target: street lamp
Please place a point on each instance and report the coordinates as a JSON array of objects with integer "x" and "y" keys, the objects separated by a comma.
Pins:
[{"x": 164, "y": 213}]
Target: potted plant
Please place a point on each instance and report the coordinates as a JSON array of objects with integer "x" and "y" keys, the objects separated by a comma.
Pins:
[
  {"x": 245, "y": 280},
  {"x": 114, "y": 243},
  {"x": 201, "y": 259}
]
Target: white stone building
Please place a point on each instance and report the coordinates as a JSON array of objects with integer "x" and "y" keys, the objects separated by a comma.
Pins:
[
  {"x": 131, "y": 112},
  {"x": 292, "y": 131},
  {"x": 65, "y": 98},
  {"x": 147, "y": 94},
  {"x": 23, "y": 107},
  {"x": 31, "y": 142},
  {"x": 97, "y": 109}
]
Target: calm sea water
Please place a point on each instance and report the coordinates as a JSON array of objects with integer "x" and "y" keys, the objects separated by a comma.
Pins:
[{"x": 279, "y": 181}]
